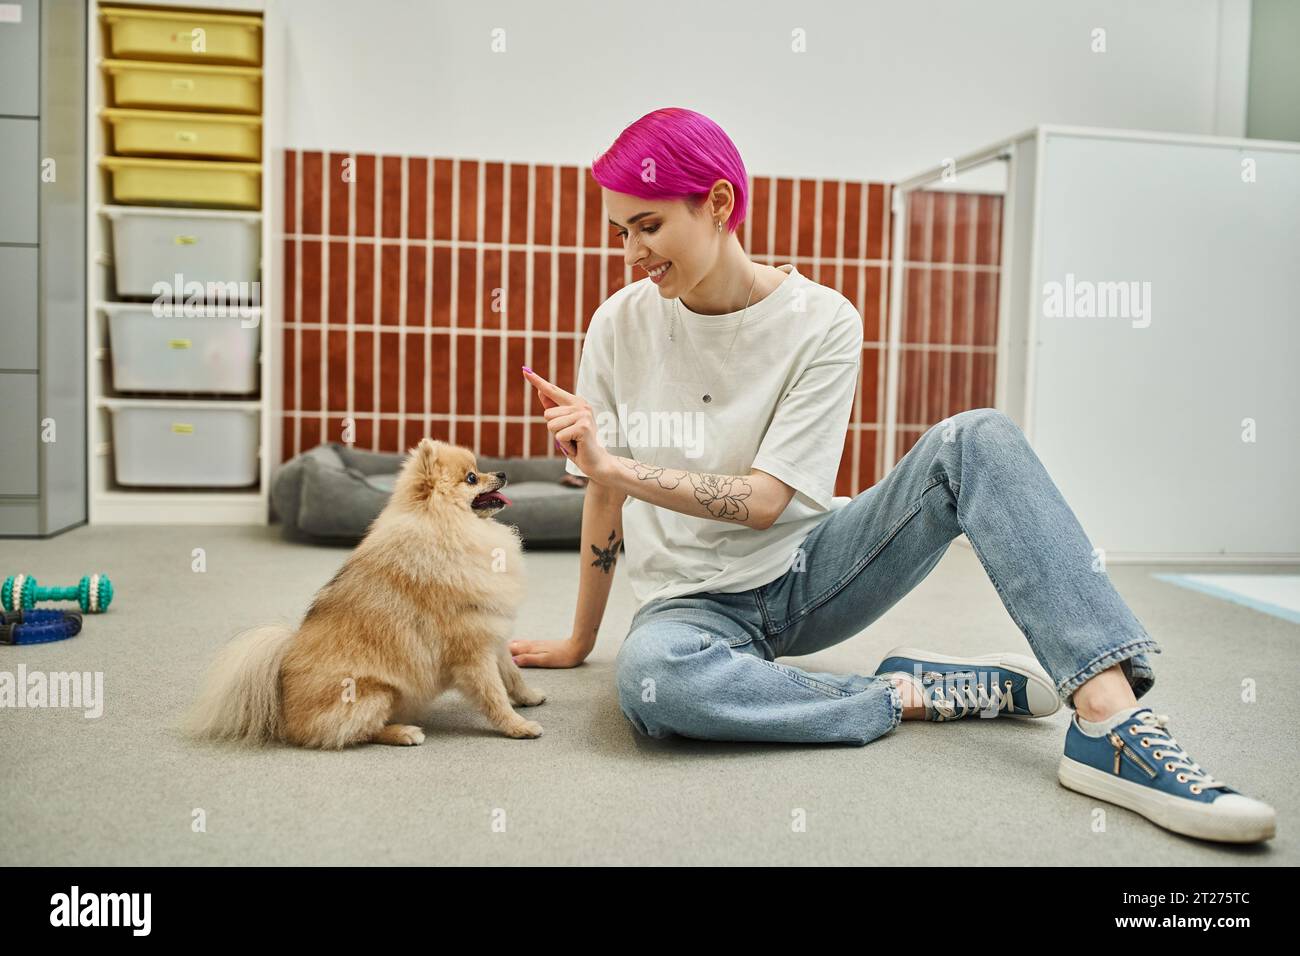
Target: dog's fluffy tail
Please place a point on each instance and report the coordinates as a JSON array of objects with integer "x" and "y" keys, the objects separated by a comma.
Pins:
[{"x": 240, "y": 696}]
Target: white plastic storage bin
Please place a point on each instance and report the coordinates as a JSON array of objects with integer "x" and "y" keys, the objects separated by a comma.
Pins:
[
  {"x": 185, "y": 443},
  {"x": 153, "y": 245},
  {"x": 180, "y": 352}
]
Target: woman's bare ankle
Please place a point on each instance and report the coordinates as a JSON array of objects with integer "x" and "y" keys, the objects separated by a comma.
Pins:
[
  {"x": 1104, "y": 694},
  {"x": 913, "y": 709}
]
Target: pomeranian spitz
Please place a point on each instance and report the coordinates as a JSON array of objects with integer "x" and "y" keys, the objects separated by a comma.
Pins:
[{"x": 425, "y": 602}]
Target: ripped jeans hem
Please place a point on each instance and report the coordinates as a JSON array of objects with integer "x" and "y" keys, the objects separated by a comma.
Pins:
[{"x": 896, "y": 704}]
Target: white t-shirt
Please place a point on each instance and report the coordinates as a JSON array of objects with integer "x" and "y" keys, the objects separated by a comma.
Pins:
[{"x": 781, "y": 404}]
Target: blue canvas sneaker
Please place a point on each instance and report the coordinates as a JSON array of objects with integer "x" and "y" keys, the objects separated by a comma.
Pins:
[
  {"x": 989, "y": 686},
  {"x": 1137, "y": 764}
]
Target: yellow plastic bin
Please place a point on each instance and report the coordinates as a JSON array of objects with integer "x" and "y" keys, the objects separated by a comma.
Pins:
[
  {"x": 171, "y": 133},
  {"x": 138, "y": 84},
  {"x": 131, "y": 32},
  {"x": 185, "y": 182}
]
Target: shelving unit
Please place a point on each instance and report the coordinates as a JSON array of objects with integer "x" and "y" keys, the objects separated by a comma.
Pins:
[{"x": 111, "y": 502}]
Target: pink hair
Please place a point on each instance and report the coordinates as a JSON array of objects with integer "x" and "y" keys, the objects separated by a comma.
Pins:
[{"x": 690, "y": 153}]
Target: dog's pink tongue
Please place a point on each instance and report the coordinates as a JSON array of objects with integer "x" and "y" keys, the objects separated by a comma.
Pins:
[{"x": 502, "y": 497}]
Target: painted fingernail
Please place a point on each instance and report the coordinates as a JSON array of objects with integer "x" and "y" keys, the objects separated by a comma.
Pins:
[{"x": 527, "y": 369}]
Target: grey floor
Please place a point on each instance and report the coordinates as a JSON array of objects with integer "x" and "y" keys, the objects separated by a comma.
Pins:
[{"x": 124, "y": 788}]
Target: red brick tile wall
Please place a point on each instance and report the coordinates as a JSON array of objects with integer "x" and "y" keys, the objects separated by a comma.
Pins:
[{"x": 948, "y": 340}]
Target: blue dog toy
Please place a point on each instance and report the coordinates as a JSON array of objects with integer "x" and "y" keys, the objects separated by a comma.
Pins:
[{"x": 28, "y": 626}]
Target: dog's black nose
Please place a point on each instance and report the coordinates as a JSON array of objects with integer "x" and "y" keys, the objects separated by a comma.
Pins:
[{"x": 502, "y": 476}]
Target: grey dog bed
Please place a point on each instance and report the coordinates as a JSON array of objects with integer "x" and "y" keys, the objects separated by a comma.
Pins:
[{"x": 331, "y": 494}]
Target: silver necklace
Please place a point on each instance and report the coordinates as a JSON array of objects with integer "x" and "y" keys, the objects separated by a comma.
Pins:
[{"x": 708, "y": 396}]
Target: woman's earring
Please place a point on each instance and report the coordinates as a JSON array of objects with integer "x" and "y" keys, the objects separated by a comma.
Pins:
[{"x": 719, "y": 225}]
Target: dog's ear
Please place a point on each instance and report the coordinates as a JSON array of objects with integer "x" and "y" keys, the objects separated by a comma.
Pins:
[
  {"x": 427, "y": 452},
  {"x": 420, "y": 473},
  {"x": 421, "y": 457}
]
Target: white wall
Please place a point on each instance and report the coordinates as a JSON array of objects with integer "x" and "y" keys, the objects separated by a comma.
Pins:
[{"x": 884, "y": 90}]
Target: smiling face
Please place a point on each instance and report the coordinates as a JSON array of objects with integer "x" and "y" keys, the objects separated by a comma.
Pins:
[{"x": 675, "y": 233}]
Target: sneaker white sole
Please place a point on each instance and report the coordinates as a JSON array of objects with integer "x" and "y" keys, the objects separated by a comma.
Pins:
[
  {"x": 1040, "y": 692},
  {"x": 1243, "y": 820}
]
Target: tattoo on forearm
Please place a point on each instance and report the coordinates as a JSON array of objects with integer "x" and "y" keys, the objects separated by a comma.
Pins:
[
  {"x": 652, "y": 472},
  {"x": 723, "y": 496},
  {"x": 605, "y": 557}
]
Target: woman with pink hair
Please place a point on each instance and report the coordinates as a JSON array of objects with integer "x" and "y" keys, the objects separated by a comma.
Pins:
[{"x": 709, "y": 415}]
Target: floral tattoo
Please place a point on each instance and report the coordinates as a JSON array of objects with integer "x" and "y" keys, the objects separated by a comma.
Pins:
[
  {"x": 648, "y": 472},
  {"x": 605, "y": 557},
  {"x": 723, "y": 496}
]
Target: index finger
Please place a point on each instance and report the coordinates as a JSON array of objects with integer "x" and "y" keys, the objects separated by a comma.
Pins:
[{"x": 556, "y": 394}]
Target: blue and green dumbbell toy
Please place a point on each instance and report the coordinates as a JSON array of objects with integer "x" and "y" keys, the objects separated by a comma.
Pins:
[{"x": 93, "y": 594}]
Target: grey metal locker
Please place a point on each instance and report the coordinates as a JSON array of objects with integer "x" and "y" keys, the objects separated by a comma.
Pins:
[
  {"x": 20, "y": 41},
  {"x": 19, "y": 179},
  {"x": 43, "y": 265},
  {"x": 18, "y": 462},
  {"x": 18, "y": 307}
]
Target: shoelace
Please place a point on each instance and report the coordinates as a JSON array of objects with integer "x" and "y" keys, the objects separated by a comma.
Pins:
[
  {"x": 1154, "y": 724},
  {"x": 966, "y": 696}
]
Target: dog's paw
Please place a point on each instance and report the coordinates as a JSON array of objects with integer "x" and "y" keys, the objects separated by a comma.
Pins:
[
  {"x": 531, "y": 698},
  {"x": 400, "y": 735},
  {"x": 525, "y": 729}
]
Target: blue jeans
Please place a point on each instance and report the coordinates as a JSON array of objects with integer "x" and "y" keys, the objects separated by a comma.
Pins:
[{"x": 705, "y": 665}]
